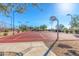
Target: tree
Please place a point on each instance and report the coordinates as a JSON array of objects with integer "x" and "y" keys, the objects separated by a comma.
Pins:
[
  {"x": 2, "y": 25},
  {"x": 11, "y": 8},
  {"x": 7, "y": 8},
  {"x": 37, "y": 28},
  {"x": 43, "y": 27},
  {"x": 4, "y": 9},
  {"x": 75, "y": 23},
  {"x": 61, "y": 27},
  {"x": 23, "y": 27},
  {"x": 65, "y": 30}
]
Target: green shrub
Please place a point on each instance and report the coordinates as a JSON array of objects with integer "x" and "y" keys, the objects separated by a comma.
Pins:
[
  {"x": 6, "y": 30},
  {"x": 5, "y": 34},
  {"x": 71, "y": 31}
]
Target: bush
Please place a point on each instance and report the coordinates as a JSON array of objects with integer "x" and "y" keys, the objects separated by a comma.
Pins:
[
  {"x": 6, "y": 30},
  {"x": 66, "y": 31},
  {"x": 71, "y": 31},
  {"x": 5, "y": 34},
  {"x": 77, "y": 31},
  {"x": 18, "y": 31},
  {"x": 22, "y": 30}
]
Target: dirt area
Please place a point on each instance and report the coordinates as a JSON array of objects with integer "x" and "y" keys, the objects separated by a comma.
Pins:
[
  {"x": 65, "y": 47},
  {"x": 8, "y": 34}
]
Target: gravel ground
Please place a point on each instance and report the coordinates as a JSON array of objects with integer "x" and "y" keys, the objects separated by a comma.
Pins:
[{"x": 65, "y": 47}]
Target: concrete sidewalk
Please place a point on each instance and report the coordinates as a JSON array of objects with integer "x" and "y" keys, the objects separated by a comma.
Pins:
[{"x": 36, "y": 48}]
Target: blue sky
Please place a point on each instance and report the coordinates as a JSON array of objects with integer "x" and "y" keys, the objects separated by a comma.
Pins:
[{"x": 34, "y": 17}]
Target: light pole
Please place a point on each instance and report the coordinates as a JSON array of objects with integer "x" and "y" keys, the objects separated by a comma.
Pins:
[
  {"x": 11, "y": 22},
  {"x": 71, "y": 17},
  {"x": 53, "y": 18},
  {"x": 13, "y": 29}
]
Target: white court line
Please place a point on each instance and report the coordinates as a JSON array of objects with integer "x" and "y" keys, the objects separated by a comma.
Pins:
[
  {"x": 42, "y": 36},
  {"x": 17, "y": 37}
]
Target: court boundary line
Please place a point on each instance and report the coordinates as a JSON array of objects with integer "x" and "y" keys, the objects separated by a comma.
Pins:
[{"x": 42, "y": 36}]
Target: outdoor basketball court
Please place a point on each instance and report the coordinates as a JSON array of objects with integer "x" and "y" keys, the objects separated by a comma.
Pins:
[{"x": 36, "y": 36}]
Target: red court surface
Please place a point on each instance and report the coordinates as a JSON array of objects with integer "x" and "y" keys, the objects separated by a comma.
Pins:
[
  {"x": 36, "y": 36},
  {"x": 24, "y": 37}
]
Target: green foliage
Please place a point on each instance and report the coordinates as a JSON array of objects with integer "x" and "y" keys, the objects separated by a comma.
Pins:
[
  {"x": 4, "y": 9},
  {"x": 6, "y": 30},
  {"x": 43, "y": 27},
  {"x": 23, "y": 27},
  {"x": 61, "y": 27},
  {"x": 5, "y": 33},
  {"x": 75, "y": 22},
  {"x": 36, "y": 28},
  {"x": 65, "y": 30},
  {"x": 7, "y": 8},
  {"x": 39, "y": 28}
]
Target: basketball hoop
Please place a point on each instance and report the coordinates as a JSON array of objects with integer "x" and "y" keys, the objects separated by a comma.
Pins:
[{"x": 53, "y": 18}]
